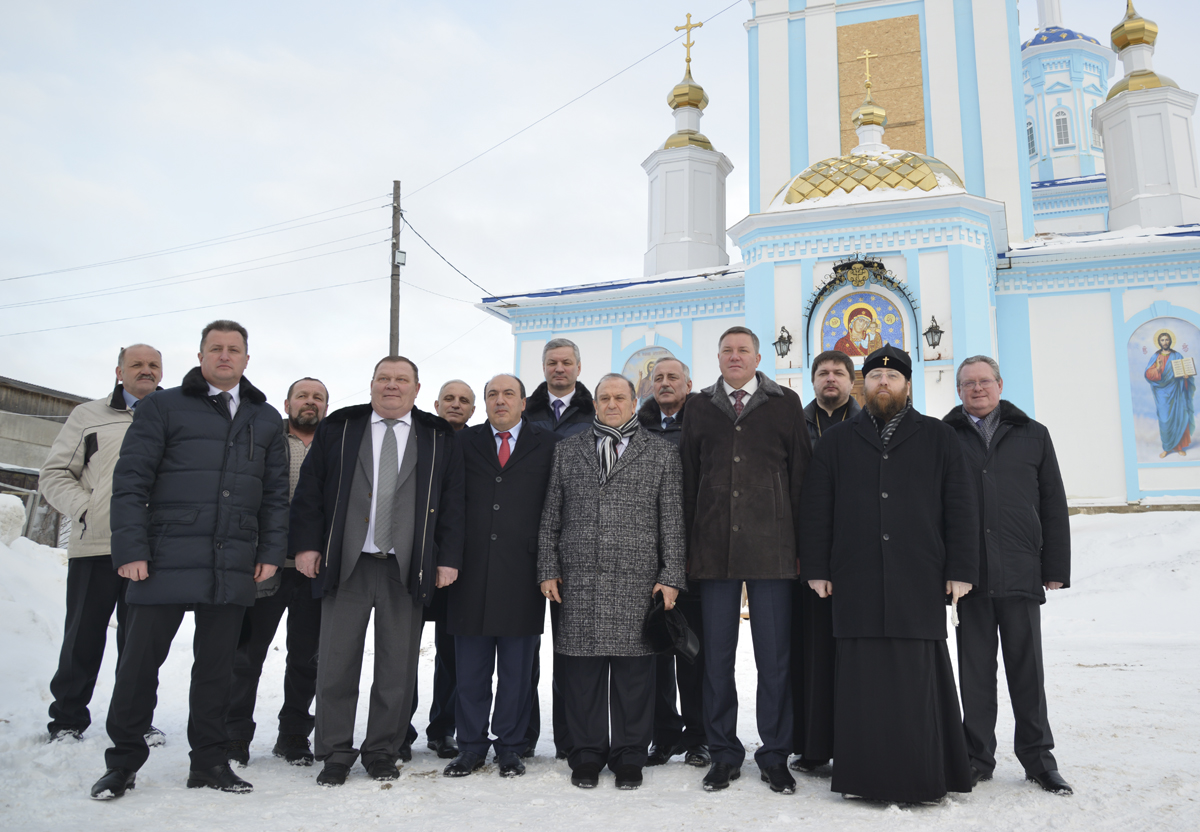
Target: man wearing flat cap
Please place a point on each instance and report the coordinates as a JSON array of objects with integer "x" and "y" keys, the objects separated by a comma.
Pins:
[{"x": 893, "y": 531}]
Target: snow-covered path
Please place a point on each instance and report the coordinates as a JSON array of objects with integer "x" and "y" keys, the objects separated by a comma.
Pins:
[{"x": 1123, "y": 673}]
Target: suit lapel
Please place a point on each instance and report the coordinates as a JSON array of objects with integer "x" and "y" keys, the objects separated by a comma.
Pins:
[
  {"x": 866, "y": 429},
  {"x": 366, "y": 459},
  {"x": 485, "y": 444},
  {"x": 409, "y": 463},
  {"x": 909, "y": 425},
  {"x": 637, "y": 444},
  {"x": 526, "y": 442}
]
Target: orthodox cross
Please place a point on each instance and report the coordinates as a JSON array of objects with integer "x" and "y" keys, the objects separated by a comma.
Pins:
[
  {"x": 867, "y": 56},
  {"x": 885, "y": 360},
  {"x": 687, "y": 38}
]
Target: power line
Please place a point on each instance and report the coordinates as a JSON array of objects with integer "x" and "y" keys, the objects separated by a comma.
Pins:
[
  {"x": 447, "y": 262},
  {"x": 563, "y": 107},
  {"x": 131, "y": 287},
  {"x": 228, "y": 238},
  {"x": 439, "y": 294},
  {"x": 189, "y": 309}
]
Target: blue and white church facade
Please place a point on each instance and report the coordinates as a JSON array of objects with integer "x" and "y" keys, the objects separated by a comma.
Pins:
[{"x": 924, "y": 210}]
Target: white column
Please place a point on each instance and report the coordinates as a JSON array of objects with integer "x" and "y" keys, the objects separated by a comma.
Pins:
[
  {"x": 774, "y": 128},
  {"x": 1001, "y": 162},
  {"x": 820, "y": 45},
  {"x": 943, "y": 84}
]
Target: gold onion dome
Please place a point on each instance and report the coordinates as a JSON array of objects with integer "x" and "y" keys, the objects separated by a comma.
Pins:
[
  {"x": 1140, "y": 79},
  {"x": 900, "y": 170},
  {"x": 1134, "y": 29},
  {"x": 687, "y": 93},
  {"x": 869, "y": 112}
]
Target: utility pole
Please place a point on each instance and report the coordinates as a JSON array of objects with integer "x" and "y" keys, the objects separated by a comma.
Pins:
[{"x": 397, "y": 261}]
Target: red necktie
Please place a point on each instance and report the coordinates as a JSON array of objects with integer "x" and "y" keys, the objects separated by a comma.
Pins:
[
  {"x": 504, "y": 449},
  {"x": 738, "y": 406}
]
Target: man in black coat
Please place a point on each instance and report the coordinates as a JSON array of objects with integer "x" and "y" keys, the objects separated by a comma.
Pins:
[
  {"x": 1025, "y": 549},
  {"x": 892, "y": 528},
  {"x": 376, "y": 522},
  {"x": 561, "y": 404},
  {"x": 676, "y": 731},
  {"x": 495, "y": 611},
  {"x": 812, "y": 616},
  {"x": 199, "y": 515}
]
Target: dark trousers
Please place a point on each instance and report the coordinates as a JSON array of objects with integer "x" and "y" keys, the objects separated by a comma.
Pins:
[
  {"x": 1014, "y": 625},
  {"x": 609, "y": 703},
  {"x": 510, "y": 657},
  {"x": 94, "y": 589},
  {"x": 770, "y": 627},
  {"x": 300, "y": 675},
  {"x": 149, "y": 631},
  {"x": 558, "y": 714},
  {"x": 445, "y": 689},
  {"x": 686, "y": 725}
]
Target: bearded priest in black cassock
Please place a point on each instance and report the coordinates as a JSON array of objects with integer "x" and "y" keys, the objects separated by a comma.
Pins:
[{"x": 893, "y": 533}]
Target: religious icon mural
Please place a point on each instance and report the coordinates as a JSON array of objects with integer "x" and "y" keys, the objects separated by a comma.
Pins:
[
  {"x": 1162, "y": 373},
  {"x": 860, "y": 323},
  {"x": 637, "y": 369}
]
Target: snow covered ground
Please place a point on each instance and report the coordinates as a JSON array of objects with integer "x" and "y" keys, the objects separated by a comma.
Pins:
[{"x": 1122, "y": 669}]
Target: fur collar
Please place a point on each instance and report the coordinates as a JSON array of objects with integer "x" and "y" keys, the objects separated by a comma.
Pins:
[
  {"x": 1009, "y": 414},
  {"x": 539, "y": 399},
  {"x": 194, "y": 384}
]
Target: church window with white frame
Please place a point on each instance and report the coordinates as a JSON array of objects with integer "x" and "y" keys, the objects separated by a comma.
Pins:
[
  {"x": 1030, "y": 138},
  {"x": 1062, "y": 128}
]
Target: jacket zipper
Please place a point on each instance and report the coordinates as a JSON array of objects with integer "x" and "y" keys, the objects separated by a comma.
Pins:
[
  {"x": 338, "y": 498},
  {"x": 428, "y": 499}
]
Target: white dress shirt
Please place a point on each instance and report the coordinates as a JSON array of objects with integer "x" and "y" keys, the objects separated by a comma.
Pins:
[
  {"x": 378, "y": 429},
  {"x": 620, "y": 445},
  {"x": 566, "y": 400},
  {"x": 512, "y": 439},
  {"x": 750, "y": 386},
  {"x": 233, "y": 403}
]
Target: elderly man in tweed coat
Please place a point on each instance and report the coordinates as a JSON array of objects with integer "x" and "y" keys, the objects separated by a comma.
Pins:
[{"x": 611, "y": 537}]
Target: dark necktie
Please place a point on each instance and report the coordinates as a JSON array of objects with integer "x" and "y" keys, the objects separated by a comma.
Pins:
[
  {"x": 738, "y": 405},
  {"x": 226, "y": 397},
  {"x": 504, "y": 449},
  {"x": 385, "y": 492},
  {"x": 667, "y": 422},
  {"x": 558, "y": 409}
]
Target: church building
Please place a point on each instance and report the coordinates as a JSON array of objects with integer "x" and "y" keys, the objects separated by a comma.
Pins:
[{"x": 920, "y": 177}]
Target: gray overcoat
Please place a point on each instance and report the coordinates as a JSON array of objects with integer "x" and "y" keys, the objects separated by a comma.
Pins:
[{"x": 611, "y": 543}]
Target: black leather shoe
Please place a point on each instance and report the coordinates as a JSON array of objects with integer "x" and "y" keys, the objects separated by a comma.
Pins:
[
  {"x": 978, "y": 776},
  {"x": 333, "y": 774},
  {"x": 780, "y": 778},
  {"x": 238, "y": 751},
  {"x": 1052, "y": 782},
  {"x": 218, "y": 777},
  {"x": 446, "y": 747},
  {"x": 698, "y": 756},
  {"x": 294, "y": 748},
  {"x": 382, "y": 769},
  {"x": 510, "y": 765},
  {"x": 155, "y": 737},
  {"x": 806, "y": 766},
  {"x": 67, "y": 735},
  {"x": 404, "y": 752},
  {"x": 661, "y": 754},
  {"x": 462, "y": 765},
  {"x": 114, "y": 783},
  {"x": 629, "y": 777},
  {"x": 587, "y": 776},
  {"x": 720, "y": 775}
]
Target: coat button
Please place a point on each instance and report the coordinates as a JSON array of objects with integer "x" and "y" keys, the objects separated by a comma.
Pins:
[
  {"x": 739, "y": 427},
  {"x": 735, "y": 528},
  {"x": 493, "y": 537},
  {"x": 985, "y": 470},
  {"x": 885, "y": 495},
  {"x": 224, "y": 493},
  {"x": 737, "y": 459},
  {"x": 498, "y": 479},
  {"x": 220, "y": 545},
  {"x": 886, "y": 537},
  {"x": 989, "y": 531},
  {"x": 496, "y": 507},
  {"x": 885, "y": 456},
  {"x": 735, "y": 493}
]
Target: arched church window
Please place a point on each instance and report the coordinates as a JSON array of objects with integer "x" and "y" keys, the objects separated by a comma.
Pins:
[
  {"x": 1062, "y": 128},
  {"x": 1029, "y": 137}
]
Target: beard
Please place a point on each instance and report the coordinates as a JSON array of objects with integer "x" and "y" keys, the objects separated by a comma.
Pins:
[
  {"x": 830, "y": 401},
  {"x": 884, "y": 405},
  {"x": 306, "y": 419}
]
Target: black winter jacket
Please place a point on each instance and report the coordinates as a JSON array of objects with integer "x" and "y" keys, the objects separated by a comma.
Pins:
[
  {"x": 202, "y": 497},
  {"x": 575, "y": 419},
  {"x": 318, "y": 518},
  {"x": 650, "y": 415},
  {"x": 1025, "y": 533}
]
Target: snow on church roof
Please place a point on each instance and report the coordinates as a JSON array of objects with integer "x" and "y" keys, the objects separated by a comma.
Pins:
[{"x": 1093, "y": 242}]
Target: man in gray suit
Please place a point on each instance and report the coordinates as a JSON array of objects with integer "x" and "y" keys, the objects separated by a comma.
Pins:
[{"x": 380, "y": 492}]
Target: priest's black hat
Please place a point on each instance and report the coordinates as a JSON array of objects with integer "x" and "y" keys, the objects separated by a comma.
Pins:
[{"x": 890, "y": 358}]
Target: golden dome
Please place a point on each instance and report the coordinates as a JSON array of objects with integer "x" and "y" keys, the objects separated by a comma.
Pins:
[
  {"x": 687, "y": 93},
  {"x": 869, "y": 112},
  {"x": 1134, "y": 29},
  {"x": 899, "y": 170},
  {"x": 688, "y": 137},
  {"x": 1141, "y": 79}
]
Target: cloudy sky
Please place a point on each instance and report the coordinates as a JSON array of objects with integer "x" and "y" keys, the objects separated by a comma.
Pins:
[{"x": 249, "y": 149}]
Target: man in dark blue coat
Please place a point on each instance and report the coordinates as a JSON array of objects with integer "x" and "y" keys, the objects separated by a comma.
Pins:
[
  {"x": 495, "y": 611},
  {"x": 377, "y": 523},
  {"x": 199, "y": 515},
  {"x": 1025, "y": 549}
]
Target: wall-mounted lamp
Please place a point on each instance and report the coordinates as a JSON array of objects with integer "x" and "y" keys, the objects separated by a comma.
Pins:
[
  {"x": 933, "y": 336},
  {"x": 784, "y": 345}
]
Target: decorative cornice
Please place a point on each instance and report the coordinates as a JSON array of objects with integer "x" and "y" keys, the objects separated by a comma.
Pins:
[{"x": 1084, "y": 275}]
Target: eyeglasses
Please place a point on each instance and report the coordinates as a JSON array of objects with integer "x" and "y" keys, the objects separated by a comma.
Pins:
[{"x": 985, "y": 384}]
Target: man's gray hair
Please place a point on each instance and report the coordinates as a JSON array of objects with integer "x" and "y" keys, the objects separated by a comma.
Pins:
[
  {"x": 977, "y": 359},
  {"x": 738, "y": 330},
  {"x": 121, "y": 354},
  {"x": 442, "y": 389},
  {"x": 559, "y": 343},
  {"x": 520, "y": 384},
  {"x": 615, "y": 377},
  {"x": 687, "y": 374}
]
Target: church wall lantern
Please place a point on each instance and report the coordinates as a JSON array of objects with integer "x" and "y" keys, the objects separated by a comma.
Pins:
[{"x": 784, "y": 343}]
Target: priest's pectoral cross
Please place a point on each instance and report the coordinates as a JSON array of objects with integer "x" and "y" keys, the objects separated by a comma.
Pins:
[{"x": 687, "y": 38}]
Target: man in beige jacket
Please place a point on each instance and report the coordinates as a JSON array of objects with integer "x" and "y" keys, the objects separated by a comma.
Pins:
[{"x": 77, "y": 481}]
